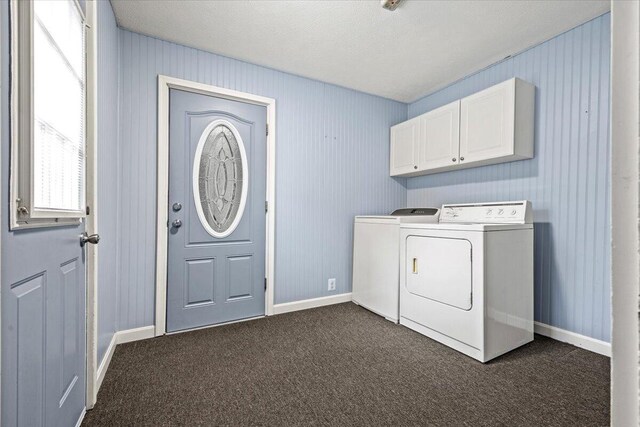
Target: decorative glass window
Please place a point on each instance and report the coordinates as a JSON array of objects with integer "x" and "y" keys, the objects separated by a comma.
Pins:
[
  {"x": 220, "y": 178},
  {"x": 48, "y": 113}
]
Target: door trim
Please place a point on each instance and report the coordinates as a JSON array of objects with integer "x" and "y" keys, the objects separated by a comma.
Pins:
[
  {"x": 165, "y": 83},
  {"x": 91, "y": 199}
]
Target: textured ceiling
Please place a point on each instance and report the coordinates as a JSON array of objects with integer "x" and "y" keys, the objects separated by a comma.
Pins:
[{"x": 402, "y": 55}]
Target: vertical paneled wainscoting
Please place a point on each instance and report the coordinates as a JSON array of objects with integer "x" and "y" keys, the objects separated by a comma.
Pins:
[
  {"x": 332, "y": 162},
  {"x": 108, "y": 60},
  {"x": 567, "y": 181}
]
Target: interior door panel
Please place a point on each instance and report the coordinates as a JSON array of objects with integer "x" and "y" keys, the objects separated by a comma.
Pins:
[
  {"x": 43, "y": 327},
  {"x": 215, "y": 274}
]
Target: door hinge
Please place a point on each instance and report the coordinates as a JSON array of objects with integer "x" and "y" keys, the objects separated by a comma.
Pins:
[
  {"x": 266, "y": 206},
  {"x": 265, "y": 283},
  {"x": 267, "y": 126},
  {"x": 88, "y": 210}
]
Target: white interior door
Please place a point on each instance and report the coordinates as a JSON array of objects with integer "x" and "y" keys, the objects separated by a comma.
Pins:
[
  {"x": 440, "y": 269},
  {"x": 487, "y": 123},
  {"x": 440, "y": 145}
]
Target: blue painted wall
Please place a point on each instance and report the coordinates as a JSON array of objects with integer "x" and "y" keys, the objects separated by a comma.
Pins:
[
  {"x": 332, "y": 163},
  {"x": 108, "y": 62},
  {"x": 332, "y": 160},
  {"x": 567, "y": 181}
]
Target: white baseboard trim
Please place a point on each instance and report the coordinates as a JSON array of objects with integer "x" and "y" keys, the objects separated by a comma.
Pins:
[
  {"x": 217, "y": 325},
  {"x": 120, "y": 337},
  {"x": 136, "y": 334},
  {"x": 79, "y": 422},
  {"x": 582, "y": 341},
  {"x": 288, "y": 307},
  {"x": 106, "y": 360}
]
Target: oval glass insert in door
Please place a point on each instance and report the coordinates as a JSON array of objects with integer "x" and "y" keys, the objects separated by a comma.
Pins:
[{"x": 220, "y": 178}]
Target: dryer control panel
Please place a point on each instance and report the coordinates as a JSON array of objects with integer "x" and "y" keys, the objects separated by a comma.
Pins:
[{"x": 488, "y": 213}]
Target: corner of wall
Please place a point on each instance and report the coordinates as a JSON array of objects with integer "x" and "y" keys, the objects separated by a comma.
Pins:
[{"x": 119, "y": 168}]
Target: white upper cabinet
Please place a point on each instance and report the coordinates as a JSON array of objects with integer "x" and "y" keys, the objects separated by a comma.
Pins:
[
  {"x": 497, "y": 124},
  {"x": 491, "y": 126},
  {"x": 404, "y": 147},
  {"x": 439, "y": 147}
]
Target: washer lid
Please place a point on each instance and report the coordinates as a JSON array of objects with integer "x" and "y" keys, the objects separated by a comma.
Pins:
[
  {"x": 404, "y": 215},
  {"x": 417, "y": 215},
  {"x": 377, "y": 219},
  {"x": 415, "y": 211}
]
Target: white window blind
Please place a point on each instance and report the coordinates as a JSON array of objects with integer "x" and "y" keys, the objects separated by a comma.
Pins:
[{"x": 58, "y": 107}]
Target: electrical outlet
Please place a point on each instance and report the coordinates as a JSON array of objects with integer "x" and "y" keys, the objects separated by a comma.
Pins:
[{"x": 331, "y": 285}]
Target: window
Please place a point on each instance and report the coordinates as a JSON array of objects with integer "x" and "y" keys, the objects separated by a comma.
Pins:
[
  {"x": 48, "y": 113},
  {"x": 220, "y": 178}
]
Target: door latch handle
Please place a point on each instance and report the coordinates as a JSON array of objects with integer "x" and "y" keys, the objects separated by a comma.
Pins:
[
  {"x": 177, "y": 223},
  {"x": 85, "y": 238},
  {"x": 415, "y": 266}
]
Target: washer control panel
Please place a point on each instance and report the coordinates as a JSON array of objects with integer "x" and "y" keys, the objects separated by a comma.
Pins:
[{"x": 488, "y": 213}]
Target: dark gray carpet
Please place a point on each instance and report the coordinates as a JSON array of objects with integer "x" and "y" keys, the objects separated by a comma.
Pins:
[{"x": 342, "y": 365}]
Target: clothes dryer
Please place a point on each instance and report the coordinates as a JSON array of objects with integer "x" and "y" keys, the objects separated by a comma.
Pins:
[{"x": 467, "y": 281}]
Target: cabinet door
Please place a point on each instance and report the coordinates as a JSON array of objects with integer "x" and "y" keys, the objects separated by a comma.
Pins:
[
  {"x": 404, "y": 143},
  {"x": 487, "y": 124},
  {"x": 439, "y": 146},
  {"x": 439, "y": 269}
]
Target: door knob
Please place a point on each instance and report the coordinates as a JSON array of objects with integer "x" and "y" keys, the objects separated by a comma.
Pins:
[
  {"x": 85, "y": 238},
  {"x": 176, "y": 223},
  {"x": 177, "y": 206}
]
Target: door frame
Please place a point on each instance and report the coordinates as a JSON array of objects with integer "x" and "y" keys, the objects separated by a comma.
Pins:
[
  {"x": 625, "y": 237},
  {"x": 165, "y": 83},
  {"x": 91, "y": 199}
]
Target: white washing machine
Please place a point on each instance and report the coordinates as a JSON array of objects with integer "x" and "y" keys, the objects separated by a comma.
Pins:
[
  {"x": 376, "y": 258},
  {"x": 467, "y": 281}
]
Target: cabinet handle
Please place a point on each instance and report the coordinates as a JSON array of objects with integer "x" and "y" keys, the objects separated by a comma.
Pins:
[
  {"x": 462, "y": 159},
  {"x": 453, "y": 160},
  {"x": 415, "y": 266},
  {"x": 415, "y": 167}
]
